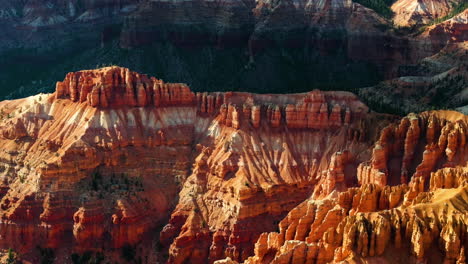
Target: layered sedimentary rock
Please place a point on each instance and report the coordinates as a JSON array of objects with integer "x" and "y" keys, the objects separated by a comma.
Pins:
[
  {"x": 399, "y": 146},
  {"x": 411, "y": 12},
  {"x": 87, "y": 167},
  {"x": 283, "y": 39},
  {"x": 453, "y": 30},
  {"x": 99, "y": 162},
  {"x": 384, "y": 219},
  {"x": 224, "y": 23},
  {"x": 328, "y": 27},
  {"x": 116, "y": 87},
  {"x": 116, "y": 158},
  {"x": 439, "y": 80},
  {"x": 257, "y": 168}
]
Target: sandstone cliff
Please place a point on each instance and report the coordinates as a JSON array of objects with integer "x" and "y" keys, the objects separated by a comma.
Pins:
[
  {"x": 410, "y": 12},
  {"x": 396, "y": 214},
  {"x": 116, "y": 158},
  {"x": 99, "y": 162}
]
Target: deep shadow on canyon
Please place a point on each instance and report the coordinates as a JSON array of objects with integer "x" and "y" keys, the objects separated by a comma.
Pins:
[{"x": 289, "y": 68}]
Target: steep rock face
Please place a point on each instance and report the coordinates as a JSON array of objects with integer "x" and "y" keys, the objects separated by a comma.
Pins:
[
  {"x": 76, "y": 174},
  {"x": 412, "y": 12},
  {"x": 90, "y": 170},
  {"x": 247, "y": 37},
  {"x": 327, "y": 26},
  {"x": 324, "y": 27},
  {"x": 321, "y": 16},
  {"x": 99, "y": 162},
  {"x": 397, "y": 154},
  {"x": 257, "y": 167},
  {"x": 112, "y": 156},
  {"x": 111, "y": 146},
  {"x": 327, "y": 231},
  {"x": 224, "y": 23},
  {"x": 450, "y": 31},
  {"x": 38, "y": 13},
  {"x": 375, "y": 220},
  {"x": 117, "y": 87}
]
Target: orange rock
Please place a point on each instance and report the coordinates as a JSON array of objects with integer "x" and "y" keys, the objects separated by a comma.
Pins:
[
  {"x": 114, "y": 86},
  {"x": 305, "y": 178},
  {"x": 256, "y": 116},
  {"x": 365, "y": 227},
  {"x": 275, "y": 117}
]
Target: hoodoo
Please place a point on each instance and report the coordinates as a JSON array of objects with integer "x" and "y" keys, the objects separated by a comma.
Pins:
[{"x": 116, "y": 159}]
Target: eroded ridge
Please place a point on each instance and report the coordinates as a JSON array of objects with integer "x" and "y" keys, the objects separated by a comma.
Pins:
[{"x": 117, "y": 158}]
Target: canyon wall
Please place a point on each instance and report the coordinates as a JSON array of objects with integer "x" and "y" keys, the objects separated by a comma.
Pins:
[
  {"x": 409, "y": 206},
  {"x": 116, "y": 158}
]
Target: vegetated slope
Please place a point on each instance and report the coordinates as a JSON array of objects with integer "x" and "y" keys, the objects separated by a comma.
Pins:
[
  {"x": 300, "y": 45},
  {"x": 411, "y": 12}
]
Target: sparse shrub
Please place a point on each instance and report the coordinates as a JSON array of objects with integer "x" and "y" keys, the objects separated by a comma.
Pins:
[{"x": 12, "y": 257}]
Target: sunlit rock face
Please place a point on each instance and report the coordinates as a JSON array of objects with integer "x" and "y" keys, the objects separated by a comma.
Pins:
[
  {"x": 114, "y": 158},
  {"x": 410, "y": 198},
  {"x": 103, "y": 158},
  {"x": 410, "y": 12}
]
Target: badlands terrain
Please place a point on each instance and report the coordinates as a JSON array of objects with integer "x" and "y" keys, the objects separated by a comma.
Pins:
[
  {"x": 117, "y": 166},
  {"x": 285, "y": 131}
]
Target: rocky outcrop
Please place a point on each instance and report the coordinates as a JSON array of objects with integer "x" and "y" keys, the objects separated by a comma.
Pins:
[
  {"x": 115, "y": 87},
  {"x": 113, "y": 147},
  {"x": 249, "y": 38},
  {"x": 115, "y": 158},
  {"x": 256, "y": 168},
  {"x": 395, "y": 158},
  {"x": 378, "y": 220},
  {"x": 410, "y": 12},
  {"x": 334, "y": 230},
  {"x": 452, "y": 30},
  {"x": 98, "y": 174},
  {"x": 311, "y": 112},
  {"x": 330, "y": 28}
]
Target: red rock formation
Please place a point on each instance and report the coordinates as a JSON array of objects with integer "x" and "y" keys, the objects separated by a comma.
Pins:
[
  {"x": 99, "y": 162},
  {"x": 253, "y": 173},
  {"x": 375, "y": 219},
  {"x": 116, "y": 87},
  {"x": 102, "y": 175},
  {"x": 411, "y": 12},
  {"x": 394, "y": 156},
  {"x": 323, "y": 232},
  {"x": 450, "y": 31}
]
